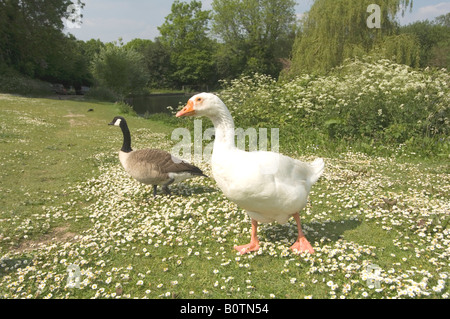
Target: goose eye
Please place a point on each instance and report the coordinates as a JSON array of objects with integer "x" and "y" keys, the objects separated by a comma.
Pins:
[{"x": 199, "y": 99}]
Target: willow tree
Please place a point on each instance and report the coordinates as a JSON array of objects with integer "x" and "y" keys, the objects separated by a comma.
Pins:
[{"x": 334, "y": 30}]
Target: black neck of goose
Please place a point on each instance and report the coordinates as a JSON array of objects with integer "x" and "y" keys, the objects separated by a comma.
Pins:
[{"x": 126, "y": 146}]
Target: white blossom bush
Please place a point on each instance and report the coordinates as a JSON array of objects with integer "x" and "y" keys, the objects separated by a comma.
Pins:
[{"x": 378, "y": 101}]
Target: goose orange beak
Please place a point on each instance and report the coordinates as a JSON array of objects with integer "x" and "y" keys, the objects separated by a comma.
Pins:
[{"x": 188, "y": 110}]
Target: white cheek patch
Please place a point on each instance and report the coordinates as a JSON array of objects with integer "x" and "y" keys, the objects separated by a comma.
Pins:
[{"x": 117, "y": 122}]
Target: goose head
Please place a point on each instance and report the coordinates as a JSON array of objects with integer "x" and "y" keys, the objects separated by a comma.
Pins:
[
  {"x": 118, "y": 121},
  {"x": 203, "y": 104}
]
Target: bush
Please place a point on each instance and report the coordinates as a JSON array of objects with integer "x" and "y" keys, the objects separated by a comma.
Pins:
[
  {"x": 372, "y": 101},
  {"x": 120, "y": 70},
  {"x": 125, "y": 108},
  {"x": 102, "y": 94},
  {"x": 15, "y": 83}
]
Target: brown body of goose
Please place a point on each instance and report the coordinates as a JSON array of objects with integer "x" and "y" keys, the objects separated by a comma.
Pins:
[{"x": 152, "y": 166}]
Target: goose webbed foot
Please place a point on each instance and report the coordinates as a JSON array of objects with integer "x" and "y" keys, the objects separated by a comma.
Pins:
[
  {"x": 254, "y": 242},
  {"x": 302, "y": 244},
  {"x": 166, "y": 186},
  {"x": 166, "y": 190}
]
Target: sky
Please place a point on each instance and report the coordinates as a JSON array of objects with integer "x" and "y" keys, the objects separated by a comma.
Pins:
[{"x": 109, "y": 20}]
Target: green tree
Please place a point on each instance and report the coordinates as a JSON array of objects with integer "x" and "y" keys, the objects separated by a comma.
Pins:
[
  {"x": 139, "y": 45},
  {"x": 120, "y": 70},
  {"x": 29, "y": 30},
  {"x": 184, "y": 34},
  {"x": 90, "y": 48},
  {"x": 156, "y": 59},
  {"x": 334, "y": 30},
  {"x": 443, "y": 20},
  {"x": 434, "y": 40},
  {"x": 254, "y": 35},
  {"x": 65, "y": 63},
  {"x": 401, "y": 49}
]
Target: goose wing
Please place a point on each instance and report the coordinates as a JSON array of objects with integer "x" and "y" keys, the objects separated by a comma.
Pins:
[{"x": 165, "y": 163}]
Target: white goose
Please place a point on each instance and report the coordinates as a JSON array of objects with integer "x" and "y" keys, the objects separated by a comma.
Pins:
[{"x": 269, "y": 186}]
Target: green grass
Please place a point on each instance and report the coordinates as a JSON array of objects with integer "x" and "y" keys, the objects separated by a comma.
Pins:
[{"x": 66, "y": 200}]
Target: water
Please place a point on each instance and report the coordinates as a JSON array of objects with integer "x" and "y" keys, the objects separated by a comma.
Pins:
[{"x": 157, "y": 103}]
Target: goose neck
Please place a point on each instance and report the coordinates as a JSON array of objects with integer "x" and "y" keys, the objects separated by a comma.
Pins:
[
  {"x": 126, "y": 146},
  {"x": 224, "y": 129}
]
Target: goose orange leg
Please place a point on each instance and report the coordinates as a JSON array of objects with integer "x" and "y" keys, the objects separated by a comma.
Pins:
[
  {"x": 302, "y": 244},
  {"x": 254, "y": 241}
]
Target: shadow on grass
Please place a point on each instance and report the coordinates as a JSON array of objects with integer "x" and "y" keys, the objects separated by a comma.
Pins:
[
  {"x": 332, "y": 230},
  {"x": 11, "y": 265},
  {"x": 182, "y": 190}
]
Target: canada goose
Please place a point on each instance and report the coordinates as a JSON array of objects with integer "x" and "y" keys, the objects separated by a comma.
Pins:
[
  {"x": 152, "y": 166},
  {"x": 268, "y": 185}
]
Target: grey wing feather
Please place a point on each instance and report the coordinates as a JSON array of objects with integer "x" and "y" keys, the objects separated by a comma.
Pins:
[{"x": 166, "y": 163}]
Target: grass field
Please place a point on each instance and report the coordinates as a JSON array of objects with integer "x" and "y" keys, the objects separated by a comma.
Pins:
[{"x": 65, "y": 200}]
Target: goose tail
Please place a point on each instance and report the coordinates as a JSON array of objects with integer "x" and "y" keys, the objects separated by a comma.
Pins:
[{"x": 317, "y": 168}]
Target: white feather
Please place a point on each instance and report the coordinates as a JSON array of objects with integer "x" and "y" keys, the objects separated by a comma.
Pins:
[{"x": 268, "y": 185}]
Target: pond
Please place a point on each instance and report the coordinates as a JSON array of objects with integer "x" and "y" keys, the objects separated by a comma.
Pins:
[{"x": 157, "y": 103}]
